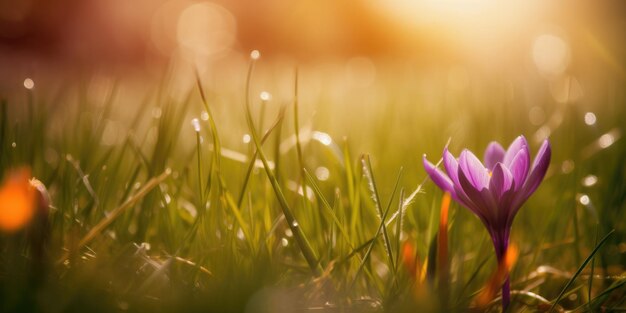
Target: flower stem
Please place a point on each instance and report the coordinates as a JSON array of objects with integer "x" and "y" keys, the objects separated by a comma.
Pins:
[
  {"x": 506, "y": 293},
  {"x": 501, "y": 245}
]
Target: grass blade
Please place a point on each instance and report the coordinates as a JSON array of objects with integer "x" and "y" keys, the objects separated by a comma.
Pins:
[
  {"x": 303, "y": 243},
  {"x": 580, "y": 269}
]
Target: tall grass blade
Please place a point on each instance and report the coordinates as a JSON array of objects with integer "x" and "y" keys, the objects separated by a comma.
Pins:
[{"x": 580, "y": 269}]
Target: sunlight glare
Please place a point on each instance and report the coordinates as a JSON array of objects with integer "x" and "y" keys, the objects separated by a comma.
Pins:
[{"x": 551, "y": 54}]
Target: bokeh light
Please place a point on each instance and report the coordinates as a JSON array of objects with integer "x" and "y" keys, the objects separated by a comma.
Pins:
[
  {"x": 551, "y": 54},
  {"x": 205, "y": 29}
]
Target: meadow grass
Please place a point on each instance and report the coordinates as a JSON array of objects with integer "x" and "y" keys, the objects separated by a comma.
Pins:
[{"x": 324, "y": 207}]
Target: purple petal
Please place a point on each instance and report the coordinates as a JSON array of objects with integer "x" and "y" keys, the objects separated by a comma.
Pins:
[
  {"x": 480, "y": 207},
  {"x": 438, "y": 177},
  {"x": 493, "y": 154},
  {"x": 539, "y": 169},
  {"x": 501, "y": 181},
  {"x": 476, "y": 173},
  {"x": 518, "y": 144},
  {"x": 536, "y": 175},
  {"x": 451, "y": 165},
  {"x": 519, "y": 167}
]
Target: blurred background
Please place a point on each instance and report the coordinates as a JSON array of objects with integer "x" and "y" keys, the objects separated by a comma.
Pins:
[
  {"x": 142, "y": 37},
  {"x": 104, "y": 91}
]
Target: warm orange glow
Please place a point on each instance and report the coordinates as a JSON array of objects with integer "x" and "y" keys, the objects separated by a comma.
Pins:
[
  {"x": 495, "y": 282},
  {"x": 551, "y": 54},
  {"x": 205, "y": 29},
  {"x": 17, "y": 201},
  {"x": 442, "y": 238},
  {"x": 409, "y": 260}
]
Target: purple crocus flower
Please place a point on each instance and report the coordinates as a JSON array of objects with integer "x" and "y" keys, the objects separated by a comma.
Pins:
[{"x": 493, "y": 191}]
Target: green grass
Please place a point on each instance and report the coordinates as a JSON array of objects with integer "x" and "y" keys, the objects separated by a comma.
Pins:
[{"x": 148, "y": 216}]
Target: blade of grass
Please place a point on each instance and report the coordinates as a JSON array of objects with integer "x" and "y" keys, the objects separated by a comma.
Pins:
[
  {"x": 98, "y": 228},
  {"x": 226, "y": 196},
  {"x": 367, "y": 169},
  {"x": 326, "y": 205},
  {"x": 267, "y": 134},
  {"x": 399, "y": 227},
  {"x": 305, "y": 198},
  {"x": 593, "y": 265},
  {"x": 580, "y": 269},
  {"x": 298, "y": 233},
  {"x": 380, "y": 229}
]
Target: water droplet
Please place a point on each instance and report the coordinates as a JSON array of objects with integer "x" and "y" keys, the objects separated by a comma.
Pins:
[
  {"x": 295, "y": 224},
  {"x": 323, "y": 138},
  {"x": 584, "y": 200},
  {"x": 246, "y": 138},
  {"x": 265, "y": 96},
  {"x": 13, "y": 144},
  {"x": 606, "y": 140},
  {"x": 255, "y": 54},
  {"x": 196, "y": 125},
  {"x": 590, "y": 118},
  {"x": 590, "y": 180},
  {"x": 322, "y": 173},
  {"x": 240, "y": 234},
  {"x": 284, "y": 242},
  {"x": 29, "y": 83},
  {"x": 204, "y": 116}
]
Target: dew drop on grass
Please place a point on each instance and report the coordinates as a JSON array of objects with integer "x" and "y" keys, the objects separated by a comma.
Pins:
[
  {"x": 196, "y": 125},
  {"x": 284, "y": 242},
  {"x": 606, "y": 141},
  {"x": 204, "y": 116},
  {"x": 240, "y": 234},
  {"x": 255, "y": 54},
  {"x": 322, "y": 173},
  {"x": 29, "y": 83},
  {"x": 288, "y": 232},
  {"x": 590, "y": 118},
  {"x": 590, "y": 180},
  {"x": 265, "y": 96},
  {"x": 295, "y": 223},
  {"x": 584, "y": 200},
  {"x": 13, "y": 144},
  {"x": 323, "y": 138},
  {"x": 246, "y": 138}
]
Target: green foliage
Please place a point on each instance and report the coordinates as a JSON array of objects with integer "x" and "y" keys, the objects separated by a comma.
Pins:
[{"x": 293, "y": 219}]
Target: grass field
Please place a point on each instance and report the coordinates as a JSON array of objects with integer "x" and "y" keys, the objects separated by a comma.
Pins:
[{"x": 151, "y": 212}]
